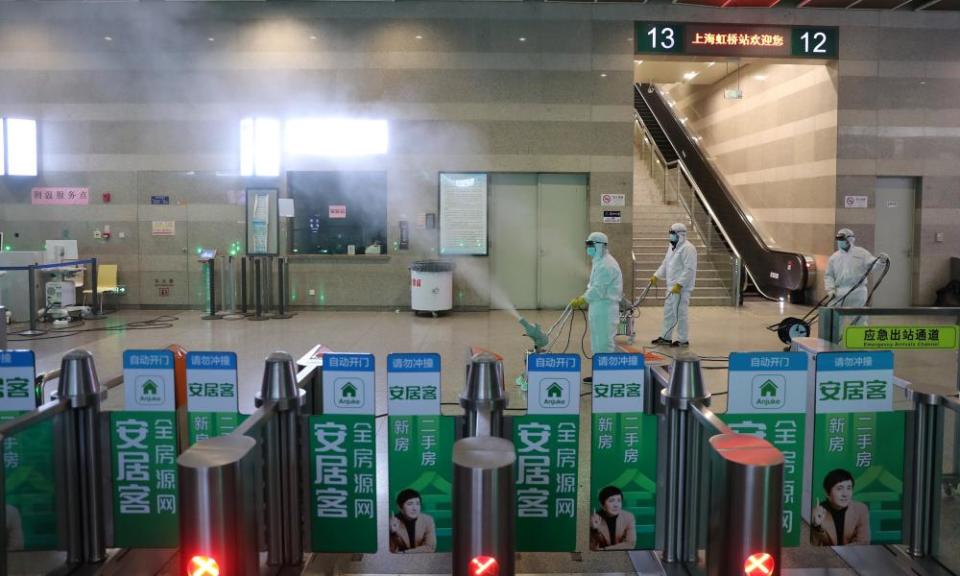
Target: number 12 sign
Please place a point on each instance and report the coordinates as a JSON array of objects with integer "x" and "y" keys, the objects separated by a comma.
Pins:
[{"x": 757, "y": 40}]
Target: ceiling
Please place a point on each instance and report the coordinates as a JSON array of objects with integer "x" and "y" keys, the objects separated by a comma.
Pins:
[
  {"x": 674, "y": 71},
  {"x": 902, "y": 5}
]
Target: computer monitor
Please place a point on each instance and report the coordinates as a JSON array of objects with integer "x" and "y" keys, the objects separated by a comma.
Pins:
[{"x": 60, "y": 250}]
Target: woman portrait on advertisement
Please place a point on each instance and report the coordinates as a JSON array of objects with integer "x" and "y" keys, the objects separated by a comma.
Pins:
[
  {"x": 412, "y": 531},
  {"x": 839, "y": 520},
  {"x": 612, "y": 527}
]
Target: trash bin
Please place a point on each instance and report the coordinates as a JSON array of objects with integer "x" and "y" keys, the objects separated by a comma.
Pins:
[{"x": 431, "y": 286}]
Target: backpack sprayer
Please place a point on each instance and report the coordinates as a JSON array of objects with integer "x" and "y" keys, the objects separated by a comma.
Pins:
[
  {"x": 543, "y": 342},
  {"x": 792, "y": 328}
]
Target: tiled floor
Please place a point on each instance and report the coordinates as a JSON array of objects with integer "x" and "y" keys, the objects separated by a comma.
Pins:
[{"x": 715, "y": 332}]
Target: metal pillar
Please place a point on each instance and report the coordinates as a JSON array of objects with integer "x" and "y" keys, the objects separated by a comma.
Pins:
[
  {"x": 483, "y": 524},
  {"x": 746, "y": 505},
  {"x": 212, "y": 287},
  {"x": 80, "y": 448},
  {"x": 258, "y": 290},
  {"x": 283, "y": 287},
  {"x": 218, "y": 499},
  {"x": 484, "y": 399},
  {"x": 32, "y": 303},
  {"x": 282, "y": 464},
  {"x": 686, "y": 387},
  {"x": 243, "y": 285},
  {"x": 922, "y": 485},
  {"x": 3, "y": 327}
]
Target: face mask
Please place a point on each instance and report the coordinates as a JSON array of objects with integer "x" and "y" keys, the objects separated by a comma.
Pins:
[
  {"x": 674, "y": 238},
  {"x": 591, "y": 251},
  {"x": 843, "y": 245}
]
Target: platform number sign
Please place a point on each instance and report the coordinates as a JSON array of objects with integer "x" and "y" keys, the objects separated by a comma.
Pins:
[
  {"x": 659, "y": 37},
  {"x": 815, "y": 42}
]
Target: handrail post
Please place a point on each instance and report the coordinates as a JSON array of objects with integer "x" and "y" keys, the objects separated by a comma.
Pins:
[
  {"x": 82, "y": 463},
  {"x": 922, "y": 483},
  {"x": 282, "y": 462},
  {"x": 686, "y": 388}
]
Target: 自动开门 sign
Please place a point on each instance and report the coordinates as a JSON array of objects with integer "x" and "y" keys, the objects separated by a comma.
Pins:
[
  {"x": 767, "y": 398},
  {"x": 547, "y": 441},
  {"x": 343, "y": 471}
]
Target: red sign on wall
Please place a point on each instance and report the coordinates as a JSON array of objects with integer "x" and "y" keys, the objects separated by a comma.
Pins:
[{"x": 337, "y": 211}]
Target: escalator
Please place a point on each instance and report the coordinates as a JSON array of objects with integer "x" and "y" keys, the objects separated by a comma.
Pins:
[{"x": 775, "y": 274}]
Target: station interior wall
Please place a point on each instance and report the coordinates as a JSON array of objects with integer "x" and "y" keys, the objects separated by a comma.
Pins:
[
  {"x": 776, "y": 146},
  {"x": 157, "y": 110}
]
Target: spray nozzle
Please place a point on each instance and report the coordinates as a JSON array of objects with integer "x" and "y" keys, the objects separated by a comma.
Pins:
[{"x": 535, "y": 333}]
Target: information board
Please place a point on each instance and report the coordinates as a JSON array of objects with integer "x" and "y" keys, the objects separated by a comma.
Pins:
[
  {"x": 744, "y": 40},
  {"x": 212, "y": 400},
  {"x": 463, "y": 214}
]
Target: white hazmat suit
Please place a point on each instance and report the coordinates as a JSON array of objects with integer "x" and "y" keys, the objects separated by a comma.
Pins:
[
  {"x": 604, "y": 291},
  {"x": 679, "y": 269},
  {"x": 845, "y": 268}
]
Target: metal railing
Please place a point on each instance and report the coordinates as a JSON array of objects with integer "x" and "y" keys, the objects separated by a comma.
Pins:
[
  {"x": 711, "y": 500},
  {"x": 676, "y": 185}
]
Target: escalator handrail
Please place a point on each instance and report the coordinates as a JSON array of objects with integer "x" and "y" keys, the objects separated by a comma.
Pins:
[
  {"x": 753, "y": 248},
  {"x": 653, "y": 144}
]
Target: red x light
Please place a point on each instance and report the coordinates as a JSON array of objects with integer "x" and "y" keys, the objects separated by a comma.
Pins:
[
  {"x": 759, "y": 564},
  {"x": 484, "y": 566},
  {"x": 203, "y": 566}
]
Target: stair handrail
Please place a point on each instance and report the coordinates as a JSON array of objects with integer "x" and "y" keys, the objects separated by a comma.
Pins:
[{"x": 681, "y": 165}]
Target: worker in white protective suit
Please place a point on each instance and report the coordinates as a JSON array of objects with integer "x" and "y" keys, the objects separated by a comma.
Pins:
[
  {"x": 603, "y": 294},
  {"x": 679, "y": 269},
  {"x": 847, "y": 269}
]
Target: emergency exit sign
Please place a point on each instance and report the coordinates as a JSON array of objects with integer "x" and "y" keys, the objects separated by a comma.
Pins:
[{"x": 757, "y": 40}]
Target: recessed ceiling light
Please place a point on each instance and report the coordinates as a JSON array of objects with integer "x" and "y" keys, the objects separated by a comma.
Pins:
[
  {"x": 108, "y": 38},
  {"x": 638, "y": 61},
  {"x": 689, "y": 75},
  {"x": 710, "y": 64},
  {"x": 603, "y": 75},
  {"x": 523, "y": 38},
  {"x": 419, "y": 37},
  {"x": 211, "y": 39},
  {"x": 313, "y": 37},
  {"x": 760, "y": 77}
]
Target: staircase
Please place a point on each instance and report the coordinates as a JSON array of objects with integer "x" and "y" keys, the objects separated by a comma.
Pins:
[{"x": 650, "y": 226}]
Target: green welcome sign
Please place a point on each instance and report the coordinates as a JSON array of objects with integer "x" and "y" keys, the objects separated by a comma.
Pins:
[
  {"x": 547, "y": 439},
  {"x": 420, "y": 447},
  {"x": 343, "y": 478},
  {"x": 29, "y": 483},
  {"x": 144, "y": 454},
  {"x": 212, "y": 400},
  {"x": 768, "y": 399},
  {"x": 623, "y": 465},
  {"x": 858, "y": 451}
]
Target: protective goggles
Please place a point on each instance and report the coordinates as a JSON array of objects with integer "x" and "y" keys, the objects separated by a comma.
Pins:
[
  {"x": 843, "y": 237},
  {"x": 592, "y": 243}
]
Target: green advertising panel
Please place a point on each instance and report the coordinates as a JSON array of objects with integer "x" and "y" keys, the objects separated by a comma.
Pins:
[
  {"x": 420, "y": 448},
  {"x": 144, "y": 465},
  {"x": 900, "y": 337},
  {"x": 547, "y": 467},
  {"x": 30, "y": 486},
  {"x": 546, "y": 482},
  {"x": 212, "y": 400},
  {"x": 343, "y": 477},
  {"x": 858, "y": 451},
  {"x": 420, "y": 452},
  {"x": 343, "y": 484},
  {"x": 623, "y": 464},
  {"x": 768, "y": 399}
]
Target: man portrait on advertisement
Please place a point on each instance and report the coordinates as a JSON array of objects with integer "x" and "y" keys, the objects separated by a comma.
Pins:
[
  {"x": 839, "y": 514},
  {"x": 412, "y": 531},
  {"x": 612, "y": 527}
]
